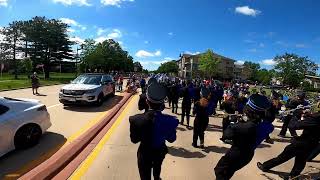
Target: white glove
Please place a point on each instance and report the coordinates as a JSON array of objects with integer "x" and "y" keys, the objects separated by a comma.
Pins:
[{"x": 300, "y": 106}]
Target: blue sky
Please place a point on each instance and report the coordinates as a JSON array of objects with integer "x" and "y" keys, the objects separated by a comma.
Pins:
[{"x": 154, "y": 31}]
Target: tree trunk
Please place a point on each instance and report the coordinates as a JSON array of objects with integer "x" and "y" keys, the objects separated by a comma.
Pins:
[{"x": 46, "y": 71}]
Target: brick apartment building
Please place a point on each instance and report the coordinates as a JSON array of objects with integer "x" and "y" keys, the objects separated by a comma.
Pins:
[{"x": 188, "y": 66}]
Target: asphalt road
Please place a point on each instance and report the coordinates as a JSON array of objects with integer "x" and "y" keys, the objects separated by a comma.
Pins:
[
  {"x": 67, "y": 124},
  {"x": 115, "y": 156}
]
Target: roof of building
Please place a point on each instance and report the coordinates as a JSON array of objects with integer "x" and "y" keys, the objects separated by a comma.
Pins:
[
  {"x": 197, "y": 55},
  {"x": 315, "y": 77}
]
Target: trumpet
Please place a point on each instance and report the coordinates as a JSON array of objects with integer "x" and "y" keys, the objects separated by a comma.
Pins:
[{"x": 291, "y": 111}]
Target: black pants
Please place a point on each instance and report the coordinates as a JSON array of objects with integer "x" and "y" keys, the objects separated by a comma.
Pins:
[
  {"x": 143, "y": 89},
  {"x": 186, "y": 108},
  {"x": 301, "y": 153},
  {"x": 231, "y": 162},
  {"x": 150, "y": 161},
  {"x": 285, "y": 125},
  {"x": 175, "y": 106},
  {"x": 220, "y": 101},
  {"x": 199, "y": 127},
  {"x": 314, "y": 153},
  {"x": 169, "y": 101},
  {"x": 225, "y": 123}
]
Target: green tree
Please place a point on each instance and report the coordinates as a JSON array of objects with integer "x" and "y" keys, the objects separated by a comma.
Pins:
[
  {"x": 264, "y": 76},
  {"x": 208, "y": 63},
  {"x": 106, "y": 56},
  {"x": 250, "y": 70},
  {"x": 27, "y": 65},
  {"x": 12, "y": 36},
  {"x": 292, "y": 68},
  {"x": 168, "y": 67},
  {"x": 137, "y": 67},
  {"x": 46, "y": 40}
]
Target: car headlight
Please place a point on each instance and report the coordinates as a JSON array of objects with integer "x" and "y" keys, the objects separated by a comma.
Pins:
[{"x": 91, "y": 91}]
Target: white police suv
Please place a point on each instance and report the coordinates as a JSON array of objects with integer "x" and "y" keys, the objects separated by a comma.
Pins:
[{"x": 88, "y": 89}]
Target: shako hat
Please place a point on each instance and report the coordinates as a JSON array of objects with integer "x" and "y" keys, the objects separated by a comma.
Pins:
[
  {"x": 301, "y": 94},
  {"x": 258, "y": 102},
  {"x": 152, "y": 80},
  {"x": 156, "y": 93}
]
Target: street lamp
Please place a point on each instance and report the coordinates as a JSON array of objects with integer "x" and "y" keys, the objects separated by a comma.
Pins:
[{"x": 78, "y": 57}]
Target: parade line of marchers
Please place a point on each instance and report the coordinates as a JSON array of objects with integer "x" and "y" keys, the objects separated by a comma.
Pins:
[
  {"x": 247, "y": 122},
  {"x": 63, "y": 163}
]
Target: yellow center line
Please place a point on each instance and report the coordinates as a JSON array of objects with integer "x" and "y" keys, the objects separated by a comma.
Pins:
[
  {"x": 83, "y": 168},
  {"x": 30, "y": 165}
]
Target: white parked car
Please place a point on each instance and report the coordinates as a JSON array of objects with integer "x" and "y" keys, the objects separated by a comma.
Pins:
[
  {"x": 88, "y": 89},
  {"x": 22, "y": 123}
]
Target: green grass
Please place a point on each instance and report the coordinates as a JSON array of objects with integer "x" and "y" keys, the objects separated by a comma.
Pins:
[{"x": 8, "y": 82}]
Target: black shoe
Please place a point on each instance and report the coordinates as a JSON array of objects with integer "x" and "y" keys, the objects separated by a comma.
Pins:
[
  {"x": 260, "y": 166},
  {"x": 282, "y": 136},
  {"x": 269, "y": 141},
  {"x": 195, "y": 145},
  {"x": 202, "y": 146}
]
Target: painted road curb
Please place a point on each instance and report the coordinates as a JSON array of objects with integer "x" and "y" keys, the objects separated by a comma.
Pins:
[
  {"x": 61, "y": 159},
  {"x": 76, "y": 162}
]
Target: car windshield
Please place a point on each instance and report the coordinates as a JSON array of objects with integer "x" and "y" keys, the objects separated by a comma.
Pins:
[{"x": 88, "y": 79}]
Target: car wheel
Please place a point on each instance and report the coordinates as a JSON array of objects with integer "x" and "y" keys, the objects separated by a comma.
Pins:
[
  {"x": 99, "y": 101},
  {"x": 27, "y": 136}
]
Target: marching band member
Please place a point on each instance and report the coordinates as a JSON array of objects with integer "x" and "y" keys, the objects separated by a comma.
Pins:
[
  {"x": 152, "y": 129},
  {"x": 244, "y": 136}
]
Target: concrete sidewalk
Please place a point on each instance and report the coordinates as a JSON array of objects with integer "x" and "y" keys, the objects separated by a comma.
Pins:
[{"x": 117, "y": 158}]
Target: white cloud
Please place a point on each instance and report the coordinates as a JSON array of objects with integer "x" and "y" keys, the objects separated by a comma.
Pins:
[
  {"x": 77, "y": 40},
  {"x": 168, "y": 58},
  {"x": 239, "y": 62},
  {"x": 192, "y": 53},
  {"x": 246, "y": 10},
  {"x": 146, "y": 42},
  {"x": 253, "y": 50},
  {"x": 4, "y": 3},
  {"x": 101, "y": 31},
  {"x": 301, "y": 46},
  {"x": 70, "y": 30},
  {"x": 114, "y": 2},
  {"x": 153, "y": 62},
  {"x": 269, "y": 34},
  {"x": 72, "y": 2},
  {"x": 249, "y": 41},
  {"x": 115, "y": 34},
  {"x": 157, "y": 53},
  {"x": 268, "y": 62},
  {"x": 72, "y": 22},
  {"x": 143, "y": 54},
  {"x": 101, "y": 39},
  {"x": 152, "y": 65},
  {"x": 170, "y": 33},
  {"x": 282, "y": 43}
]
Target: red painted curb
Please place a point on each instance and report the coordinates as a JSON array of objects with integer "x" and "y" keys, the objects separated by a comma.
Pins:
[
  {"x": 56, "y": 163},
  {"x": 76, "y": 162}
]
